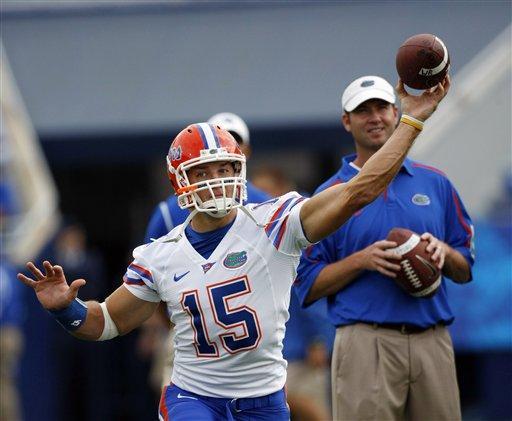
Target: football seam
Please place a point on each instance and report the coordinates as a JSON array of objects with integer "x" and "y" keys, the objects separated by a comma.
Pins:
[
  {"x": 408, "y": 246},
  {"x": 429, "y": 289}
]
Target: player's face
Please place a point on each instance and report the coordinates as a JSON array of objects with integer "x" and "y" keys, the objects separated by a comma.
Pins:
[
  {"x": 371, "y": 123},
  {"x": 222, "y": 169}
]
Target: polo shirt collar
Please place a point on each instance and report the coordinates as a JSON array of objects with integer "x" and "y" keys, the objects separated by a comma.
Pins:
[{"x": 349, "y": 170}]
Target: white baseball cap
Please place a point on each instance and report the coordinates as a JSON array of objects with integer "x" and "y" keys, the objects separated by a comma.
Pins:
[
  {"x": 365, "y": 88},
  {"x": 232, "y": 123}
]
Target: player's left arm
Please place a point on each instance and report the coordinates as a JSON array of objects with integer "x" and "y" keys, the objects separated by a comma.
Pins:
[{"x": 328, "y": 210}]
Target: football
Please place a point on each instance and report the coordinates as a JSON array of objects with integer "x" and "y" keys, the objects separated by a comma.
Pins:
[
  {"x": 418, "y": 275},
  {"x": 422, "y": 61}
]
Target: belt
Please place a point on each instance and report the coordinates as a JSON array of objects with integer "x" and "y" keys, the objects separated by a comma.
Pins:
[
  {"x": 403, "y": 328},
  {"x": 242, "y": 404}
]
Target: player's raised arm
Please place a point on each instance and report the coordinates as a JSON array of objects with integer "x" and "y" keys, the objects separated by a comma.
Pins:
[
  {"x": 119, "y": 314},
  {"x": 328, "y": 210}
]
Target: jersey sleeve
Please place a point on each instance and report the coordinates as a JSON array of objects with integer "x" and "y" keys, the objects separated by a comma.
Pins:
[
  {"x": 312, "y": 261},
  {"x": 283, "y": 226},
  {"x": 139, "y": 279},
  {"x": 459, "y": 227}
]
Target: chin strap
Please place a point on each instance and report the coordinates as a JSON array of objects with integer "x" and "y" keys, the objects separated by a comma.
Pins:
[{"x": 251, "y": 216}]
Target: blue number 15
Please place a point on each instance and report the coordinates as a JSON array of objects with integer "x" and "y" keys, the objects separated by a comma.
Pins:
[{"x": 227, "y": 317}]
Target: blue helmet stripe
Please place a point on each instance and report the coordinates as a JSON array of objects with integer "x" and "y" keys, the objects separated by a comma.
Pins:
[
  {"x": 212, "y": 127},
  {"x": 203, "y": 136}
]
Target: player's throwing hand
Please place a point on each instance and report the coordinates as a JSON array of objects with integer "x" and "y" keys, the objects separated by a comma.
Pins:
[{"x": 422, "y": 106}]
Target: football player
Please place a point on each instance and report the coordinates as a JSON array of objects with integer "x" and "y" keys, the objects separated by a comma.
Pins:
[
  {"x": 165, "y": 217},
  {"x": 226, "y": 272}
]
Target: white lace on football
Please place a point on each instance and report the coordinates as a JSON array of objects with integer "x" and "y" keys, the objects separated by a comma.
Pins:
[{"x": 410, "y": 273}]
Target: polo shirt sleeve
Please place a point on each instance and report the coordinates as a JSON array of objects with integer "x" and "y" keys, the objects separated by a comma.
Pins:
[
  {"x": 312, "y": 261},
  {"x": 459, "y": 227}
]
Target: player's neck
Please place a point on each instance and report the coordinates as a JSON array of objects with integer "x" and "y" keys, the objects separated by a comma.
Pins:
[{"x": 203, "y": 222}]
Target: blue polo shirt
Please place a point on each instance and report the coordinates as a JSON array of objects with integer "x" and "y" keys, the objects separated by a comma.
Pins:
[
  {"x": 168, "y": 214},
  {"x": 420, "y": 198}
]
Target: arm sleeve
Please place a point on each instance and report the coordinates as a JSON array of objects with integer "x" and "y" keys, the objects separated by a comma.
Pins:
[
  {"x": 283, "y": 226},
  {"x": 312, "y": 261},
  {"x": 139, "y": 279},
  {"x": 459, "y": 227}
]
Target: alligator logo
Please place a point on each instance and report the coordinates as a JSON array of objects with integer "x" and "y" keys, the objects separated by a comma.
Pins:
[{"x": 235, "y": 260}]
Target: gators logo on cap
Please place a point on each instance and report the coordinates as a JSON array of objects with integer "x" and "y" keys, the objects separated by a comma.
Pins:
[
  {"x": 366, "y": 83},
  {"x": 235, "y": 260}
]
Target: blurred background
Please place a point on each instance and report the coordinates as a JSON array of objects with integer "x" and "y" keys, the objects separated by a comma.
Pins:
[{"x": 94, "y": 91}]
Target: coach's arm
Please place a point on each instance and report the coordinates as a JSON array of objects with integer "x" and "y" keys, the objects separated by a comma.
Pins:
[{"x": 328, "y": 210}]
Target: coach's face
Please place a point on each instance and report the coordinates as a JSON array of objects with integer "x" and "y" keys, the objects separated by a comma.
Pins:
[
  {"x": 371, "y": 123},
  {"x": 209, "y": 171}
]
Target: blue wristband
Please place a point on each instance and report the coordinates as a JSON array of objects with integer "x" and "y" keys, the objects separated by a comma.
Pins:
[{"x": 71, "y": 317}]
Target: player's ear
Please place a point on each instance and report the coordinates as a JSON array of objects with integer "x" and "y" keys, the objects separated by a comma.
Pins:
[{"x": 345, "y": 120}]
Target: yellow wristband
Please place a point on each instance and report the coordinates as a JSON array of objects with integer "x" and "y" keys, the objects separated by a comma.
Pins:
[{"x": 411, "y": 121}]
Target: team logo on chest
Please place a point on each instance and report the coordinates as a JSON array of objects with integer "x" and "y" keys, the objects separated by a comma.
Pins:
[
  {"x": 421, "y": 199},
  {"x": 235, "y": 260}
]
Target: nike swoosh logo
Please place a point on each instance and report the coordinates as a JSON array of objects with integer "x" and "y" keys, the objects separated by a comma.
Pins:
[
  {"x": 177, "y": 278},
  {"x": 180, "y": 396}
]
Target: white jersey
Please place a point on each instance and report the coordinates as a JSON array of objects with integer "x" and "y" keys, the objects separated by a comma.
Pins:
[{"x": 229, "y": 310}]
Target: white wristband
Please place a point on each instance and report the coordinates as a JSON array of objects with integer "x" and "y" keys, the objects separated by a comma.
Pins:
[{"x": 109, "y": 327}]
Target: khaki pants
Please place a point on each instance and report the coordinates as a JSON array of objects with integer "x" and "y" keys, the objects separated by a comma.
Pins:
[{"x": 381, "y": 374}]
